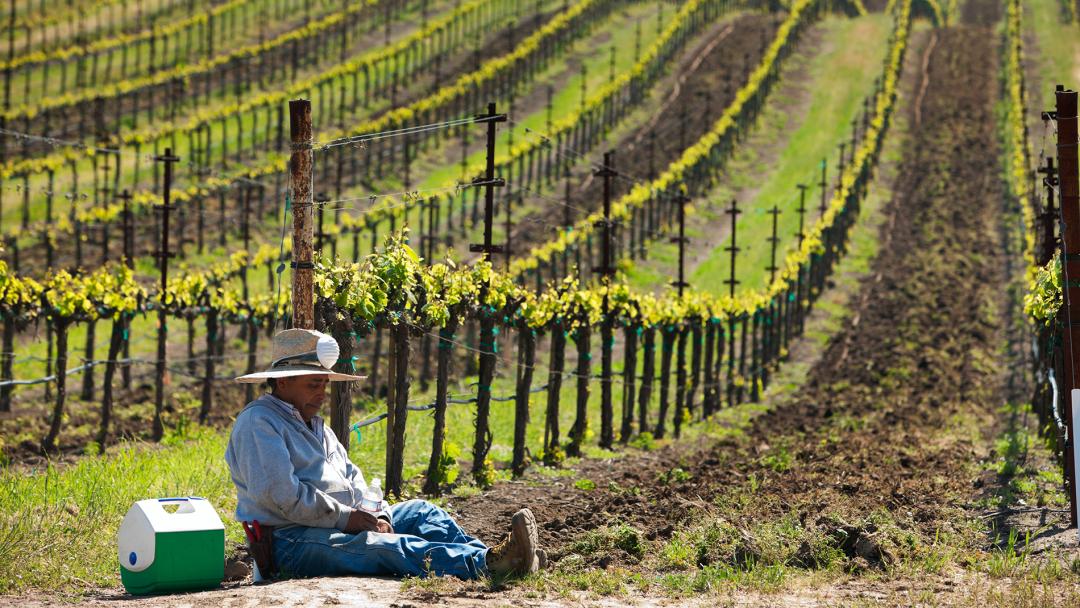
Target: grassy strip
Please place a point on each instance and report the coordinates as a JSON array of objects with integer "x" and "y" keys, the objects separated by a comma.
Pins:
[
  {"x": 1058, "y": 52},
  {"x": 838, "y": 82}
]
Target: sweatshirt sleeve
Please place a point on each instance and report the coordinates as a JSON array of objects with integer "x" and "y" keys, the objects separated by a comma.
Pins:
[
  {"x": 263, "y": 463},
  {"x": 356, "y": 477}
]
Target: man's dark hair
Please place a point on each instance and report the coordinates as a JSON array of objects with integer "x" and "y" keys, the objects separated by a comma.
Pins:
[{"x": 272, "y": 383}]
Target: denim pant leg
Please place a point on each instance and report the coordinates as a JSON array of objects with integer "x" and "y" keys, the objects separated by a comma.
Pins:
[
  {"x": 303, "y": 551},
  {"x": 429, "y": 522}
]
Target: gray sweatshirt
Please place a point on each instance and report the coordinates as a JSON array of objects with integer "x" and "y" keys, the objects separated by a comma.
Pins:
[{"x": 288, "y": 474}]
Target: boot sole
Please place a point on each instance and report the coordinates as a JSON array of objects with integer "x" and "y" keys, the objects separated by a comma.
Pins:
[{"x": 523, "y": 524}]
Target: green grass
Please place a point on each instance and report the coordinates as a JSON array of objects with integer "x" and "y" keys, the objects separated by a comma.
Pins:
[
  {"x": 1057, "y": 54},
  {"x": 60, "y": 523},
  {"x": 837, "y": 81}
]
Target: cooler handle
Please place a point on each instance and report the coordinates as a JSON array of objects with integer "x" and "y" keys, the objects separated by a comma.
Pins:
[{"x": 185, "y": 505}]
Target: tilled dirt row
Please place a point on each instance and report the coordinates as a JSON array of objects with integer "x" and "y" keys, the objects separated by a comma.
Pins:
[
  {"x": 703, "y": 85},
  {"x": 869, "y": 434}
]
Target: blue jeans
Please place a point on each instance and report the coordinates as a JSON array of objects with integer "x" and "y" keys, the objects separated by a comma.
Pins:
[{"x": 426, "y": 541}]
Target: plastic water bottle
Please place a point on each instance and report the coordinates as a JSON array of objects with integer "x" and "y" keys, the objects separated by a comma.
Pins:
[{"x": 372, "y": 499}]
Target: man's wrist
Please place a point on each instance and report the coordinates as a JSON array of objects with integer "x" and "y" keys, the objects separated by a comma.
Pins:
[{"x": 343, "y": 518}]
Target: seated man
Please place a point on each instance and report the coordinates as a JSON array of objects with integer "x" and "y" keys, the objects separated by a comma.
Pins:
[{"x": 293, "y": 476}]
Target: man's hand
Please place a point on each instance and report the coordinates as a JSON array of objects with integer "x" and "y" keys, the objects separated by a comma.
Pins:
[{"x": 362, "y": 521}]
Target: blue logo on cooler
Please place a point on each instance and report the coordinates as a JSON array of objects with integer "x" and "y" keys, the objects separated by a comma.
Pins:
[{"x": 132, "y": 558}]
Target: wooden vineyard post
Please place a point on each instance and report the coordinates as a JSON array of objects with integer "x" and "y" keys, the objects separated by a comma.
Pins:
[
  {"x": 1049, "y": 217},
  {"x": 209, "y": 365},
  {"x": 482, "y": 440},
  {"x": 606, "y": 270},
  {"x": 801, "y": 236},
  {"x": 731, "y": 282},
  {"x": 824, "y": 185},
  {"x": 774, "y": 241},
  {"x": 129, "y": 261},
  {"x": 252, "y": 348},
  {"x": 245, "y": 236},
  {"x": 1069, "y": 179},
  {"x": 163, "y": 257},
  {"x": 303, "y": 292},
  {"x": 680, "y": 283}
]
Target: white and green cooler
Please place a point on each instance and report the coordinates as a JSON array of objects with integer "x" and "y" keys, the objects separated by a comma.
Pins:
[{"x": 171, "y": 544}]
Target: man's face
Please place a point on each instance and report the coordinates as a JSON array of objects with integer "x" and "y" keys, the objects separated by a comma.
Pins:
[{"x": 305, "y": 393}]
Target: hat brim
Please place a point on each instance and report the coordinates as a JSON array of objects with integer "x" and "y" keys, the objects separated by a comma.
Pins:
[{"x": 291, "y": 371}]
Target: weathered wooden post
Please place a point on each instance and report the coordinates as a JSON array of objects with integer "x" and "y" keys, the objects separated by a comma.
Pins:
[
  {"x": 1069, "y": 179},
  {"x": 303, "y": 292}
]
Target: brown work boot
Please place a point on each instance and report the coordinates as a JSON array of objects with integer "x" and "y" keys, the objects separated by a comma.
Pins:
[{"x": 516, "y": 556}]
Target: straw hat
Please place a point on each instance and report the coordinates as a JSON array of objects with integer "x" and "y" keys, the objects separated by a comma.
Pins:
[{"x": 302, "y": 352}]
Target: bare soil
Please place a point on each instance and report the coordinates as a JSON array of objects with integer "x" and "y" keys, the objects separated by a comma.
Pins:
[{"x": 703, "y": 84}]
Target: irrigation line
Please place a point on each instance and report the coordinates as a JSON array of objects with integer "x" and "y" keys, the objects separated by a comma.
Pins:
[
  {"x": 366, "y": 137},
  {"x": 58, "y": 142},
  {"x": 133, "y": 360},
  {"x": 1056, "y": 409},
  {"x": 410, "y": 195}
]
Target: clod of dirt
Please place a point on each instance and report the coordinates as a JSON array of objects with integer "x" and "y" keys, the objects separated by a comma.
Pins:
[
  {"x": 860, "y": 544},
  {"x": 747, "y": 552},
  {"x": 868, "y": 548},
  {"x": 804, "y": 557},
  {"x": 664, "y": 532},
  {"x": 236, "y": 570}
]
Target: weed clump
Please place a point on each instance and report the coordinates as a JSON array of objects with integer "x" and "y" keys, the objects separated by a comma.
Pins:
[{"x": 622, "y": 537}]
